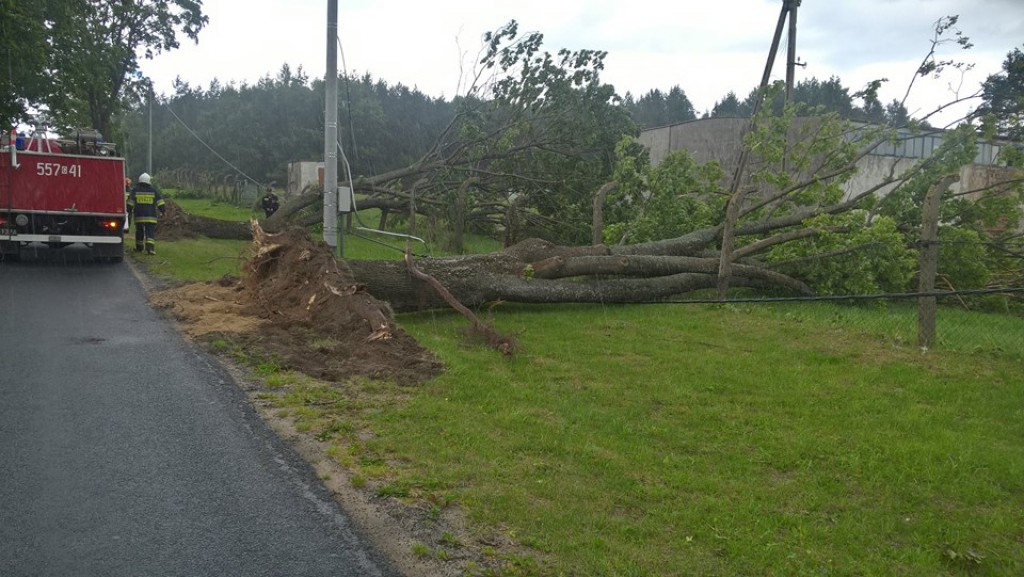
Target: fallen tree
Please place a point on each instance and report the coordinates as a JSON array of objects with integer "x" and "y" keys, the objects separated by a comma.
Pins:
[
  {"x": 536, "y": 271},
  {"x": 774, "y": 218},
  {"x": 784, "y": 219}
]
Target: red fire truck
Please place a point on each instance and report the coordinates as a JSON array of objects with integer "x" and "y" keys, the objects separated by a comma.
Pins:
[{"x": 60, "y": 192}]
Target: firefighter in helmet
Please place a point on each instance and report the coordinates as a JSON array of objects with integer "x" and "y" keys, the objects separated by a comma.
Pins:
[{"x": 146, "y": 206}]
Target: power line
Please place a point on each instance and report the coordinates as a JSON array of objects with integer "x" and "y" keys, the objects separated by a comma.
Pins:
[
  {"x": 348, "y": 172},
  {"x": 210, "y": 148}
]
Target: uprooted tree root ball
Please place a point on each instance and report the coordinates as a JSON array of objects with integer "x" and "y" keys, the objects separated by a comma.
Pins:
[
  {"x": 307, "y": 313},
  {"x": 312, "y": 299}
]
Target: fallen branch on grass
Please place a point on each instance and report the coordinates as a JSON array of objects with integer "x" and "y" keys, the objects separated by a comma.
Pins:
[{"x": 507, "y": 345}]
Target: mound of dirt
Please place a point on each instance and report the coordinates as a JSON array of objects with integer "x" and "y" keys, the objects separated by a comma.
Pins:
[
  {"x": 176, "y": 223},
  {"x": 299, "y": 308}
]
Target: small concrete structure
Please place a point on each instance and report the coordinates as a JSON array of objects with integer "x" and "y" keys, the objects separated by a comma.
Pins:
[{"x": 303, "y": 174}]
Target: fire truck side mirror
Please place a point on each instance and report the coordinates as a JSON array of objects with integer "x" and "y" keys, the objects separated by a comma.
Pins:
[{"x": 14, "y": 151}]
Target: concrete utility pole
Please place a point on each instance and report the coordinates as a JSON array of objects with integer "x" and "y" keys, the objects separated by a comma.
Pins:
[
  {"x": 791, "y": 6},
  {"x": 736, "y": 195},
  {"x": 149, "y": 150},
  {"x": 331, "y": 129}
]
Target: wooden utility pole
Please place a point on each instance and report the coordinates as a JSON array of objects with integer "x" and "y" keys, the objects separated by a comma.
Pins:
[{"x": 928, "y": 267}]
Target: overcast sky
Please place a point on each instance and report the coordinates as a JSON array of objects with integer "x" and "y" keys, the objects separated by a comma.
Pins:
[{"x": 706, "y": 48}]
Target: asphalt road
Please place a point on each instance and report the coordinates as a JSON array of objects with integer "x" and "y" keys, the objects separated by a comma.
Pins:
[{"x": 125, "y": 451}]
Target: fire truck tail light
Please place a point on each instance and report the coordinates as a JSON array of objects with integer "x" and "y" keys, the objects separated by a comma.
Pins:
[{"x": 112, "y": 224}]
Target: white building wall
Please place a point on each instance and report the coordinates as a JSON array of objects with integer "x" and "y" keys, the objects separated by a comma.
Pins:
[
  {"x": 719, "y": 139},
  {"x": 303, "y": 174}
]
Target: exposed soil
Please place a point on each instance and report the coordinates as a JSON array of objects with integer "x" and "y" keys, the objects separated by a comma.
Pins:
[
  {"x": 175, "y": 224},
  {"x": 299, "y": 308}
]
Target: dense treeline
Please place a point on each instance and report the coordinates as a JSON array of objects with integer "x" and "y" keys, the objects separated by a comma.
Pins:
[
  {"x": 231, "y": 132},
  {"x": 657, "y": 108},
  {"x": 258, "y": 129},
  {"x": 824, "y": 96}
]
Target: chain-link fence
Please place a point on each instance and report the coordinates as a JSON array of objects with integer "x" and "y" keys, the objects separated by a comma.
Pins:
[{"x": 989, "y": 321}]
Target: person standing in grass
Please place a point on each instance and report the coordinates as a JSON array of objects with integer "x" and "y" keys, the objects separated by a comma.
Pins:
[
  {"x": 270, "y": 202},
  {"x": 146, "y": 206}
]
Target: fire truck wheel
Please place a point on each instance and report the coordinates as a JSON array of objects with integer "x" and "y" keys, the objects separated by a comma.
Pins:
[
  {"x": 10, "y": 251},
  {"x": 108, "y": 253}
]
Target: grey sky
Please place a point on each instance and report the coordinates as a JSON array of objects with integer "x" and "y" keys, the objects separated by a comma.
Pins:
[{"x": 707, "y": 48}]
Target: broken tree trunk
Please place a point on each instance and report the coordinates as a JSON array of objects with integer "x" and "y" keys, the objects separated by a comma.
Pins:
[
  {"x": 535, "y": 271},
  {"x": 491, "y": 336}
]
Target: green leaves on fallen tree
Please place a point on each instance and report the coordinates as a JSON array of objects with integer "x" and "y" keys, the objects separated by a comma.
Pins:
[
  {"x": 676, "y": 197},
  {"x": 848, "y": 255}
]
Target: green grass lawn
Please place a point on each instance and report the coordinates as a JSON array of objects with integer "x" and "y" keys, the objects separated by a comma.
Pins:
[
  {"x": 677, "y": 440},
  {"x": 700, "y": 440},
  {"x": 206, "y": 259},
  {"x": 194, "y": 260},
  {"x": 214, "y": 208}
]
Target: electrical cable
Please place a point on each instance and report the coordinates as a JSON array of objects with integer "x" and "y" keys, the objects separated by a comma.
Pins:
[
  {"x": 344, "y": 157},
  {"x": 892, "y": 296},
  {"x": 362, "y": 225},
  {"x": 208, "y": 147},
  {"x": 348, "y": 98},
  {"x": 351, "y": 182}
]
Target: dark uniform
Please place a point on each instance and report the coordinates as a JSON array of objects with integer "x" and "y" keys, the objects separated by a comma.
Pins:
[
  {"x": 146, "y": 206},
  {"x": 270, "y": 203}
]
